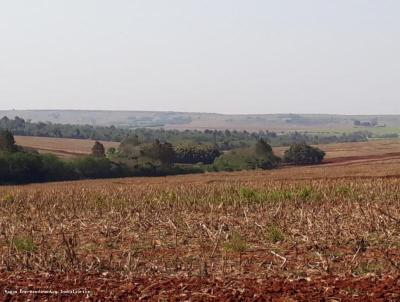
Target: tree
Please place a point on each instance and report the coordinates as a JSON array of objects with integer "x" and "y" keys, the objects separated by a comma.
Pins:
[
  {"x": 196, "y": 153},
  {"x": 132, "y": 140},
  {"x": 164, "y": 152},
  {"x": 7, "y": 141},
  {"x": 93, "y": 167},
  {"x": 129, "y": 146},
  {"x": 98, "y": 149},
  {"x": 303, "y": 154},
  {"x": 263, "y": 148}
]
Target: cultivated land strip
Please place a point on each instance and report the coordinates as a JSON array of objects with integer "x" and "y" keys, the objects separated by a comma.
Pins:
[
  {"x": 302, "y": 233},
  {"x": 117, "y": 288}
]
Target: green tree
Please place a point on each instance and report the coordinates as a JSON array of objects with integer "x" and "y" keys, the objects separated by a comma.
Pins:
[
  {"x": 196, "y": 153},
  {"x": 129, "y": 146},
  {"x": 303, "y": 154},
  {"x": 262, "y": 148},
  {"x": 7, "y": 141},
  {"x": 98, "y": 149},
  {"x": 164, "y": 152},
  {"x": 93, "y": 167}
]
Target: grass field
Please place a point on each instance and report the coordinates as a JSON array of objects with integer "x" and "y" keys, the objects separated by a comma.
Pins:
[{"x": 327, "y": 232}]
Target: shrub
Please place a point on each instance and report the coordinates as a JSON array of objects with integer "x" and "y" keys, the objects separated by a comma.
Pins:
[
  {"x": 164, "y": 152},
  {"x": 93, "y": 167},
  {"x": 193, "y": 154},
  {"x": 23, "y": 167},
  {"x": 246, "y": 159},
  {"x": 302, "y": 154},
  {"x": 57, "y": 169},
  {"x": 262, "y": 148}
]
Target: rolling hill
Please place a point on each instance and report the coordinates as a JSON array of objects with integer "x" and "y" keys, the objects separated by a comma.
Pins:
[{"x": 186, "y": 120}]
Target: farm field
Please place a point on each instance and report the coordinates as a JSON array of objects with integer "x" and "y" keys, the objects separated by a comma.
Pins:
[
  {"x": 62, "y": 147},
  {"x": 294, "y": 234},
  {"x": 359, "y": 149}
]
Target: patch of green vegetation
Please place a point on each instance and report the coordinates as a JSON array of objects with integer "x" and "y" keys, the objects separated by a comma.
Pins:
[
  {"x": 8, "y": 198},
  {"x": 24, "y": 244},
  {"x": 305, "y": 193},
  {"x": 309, "y": 194},
  {"x": 259, "y": 157},
  {"x": 275, "y": 234},
  {"x": 249, "y": 194},
  {"x": 303, "y": 154},
  {"x": 343, "y": 191},
  {"x": 279, "y": 195},
  {"x": 265, "y": 197},
  {"x": 236, "y": 243}
]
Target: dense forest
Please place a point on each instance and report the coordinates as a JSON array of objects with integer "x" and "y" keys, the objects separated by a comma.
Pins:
[{"x": 222, "y": 139}]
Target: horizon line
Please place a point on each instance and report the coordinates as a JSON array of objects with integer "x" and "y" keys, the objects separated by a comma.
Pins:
[{"x": 207, "y": 112}]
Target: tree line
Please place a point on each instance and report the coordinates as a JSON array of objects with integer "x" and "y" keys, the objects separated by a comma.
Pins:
[
  {"x": 137, "y": 158},
  {"x": 209, "y": 158},
  {"x": 222, "y": 139},
  {"x": 22, "y": 165}
]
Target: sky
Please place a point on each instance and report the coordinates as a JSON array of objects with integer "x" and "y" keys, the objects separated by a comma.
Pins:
[{"x": 225, "y": 56}]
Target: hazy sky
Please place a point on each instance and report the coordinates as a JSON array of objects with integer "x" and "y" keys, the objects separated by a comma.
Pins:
[{"x": 228, "y": 56}]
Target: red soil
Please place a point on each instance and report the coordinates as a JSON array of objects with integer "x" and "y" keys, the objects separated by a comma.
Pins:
[{"x": 116, "y": 288}]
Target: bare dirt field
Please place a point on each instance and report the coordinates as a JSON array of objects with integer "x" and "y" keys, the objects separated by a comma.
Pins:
[
  {"x": 319, "y": 233},
  {"x": 361, "y": 149},
  {"x": 63, "y": 147}
]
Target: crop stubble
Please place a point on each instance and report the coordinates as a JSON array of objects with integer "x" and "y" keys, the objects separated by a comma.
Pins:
[{"x": 298, "y": 224}]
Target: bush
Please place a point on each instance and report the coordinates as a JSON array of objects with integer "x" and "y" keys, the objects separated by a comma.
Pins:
[
  {"x": 56, "y": 169},
  {"x": 303, "y": 154},
  {"x": 259, "y": 157},
  {"x": 23, "y": 167},
  {"x": 263, "y": 148},
  {"x": 26, "y": 167},
  {"x": 193, "y": 154},
  {"x": 163, "y": 152},
  {"x": 93, "y": 167}
]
